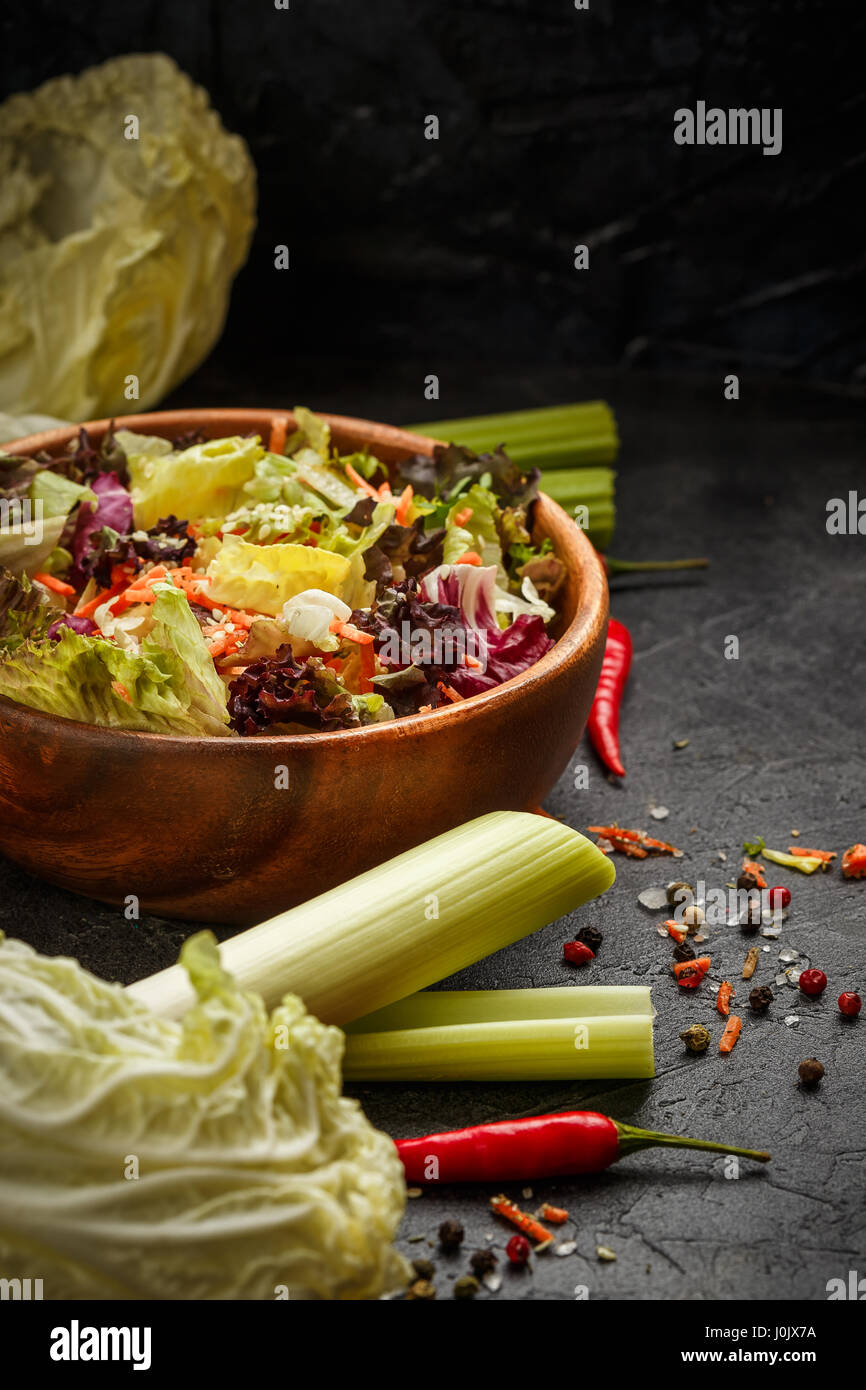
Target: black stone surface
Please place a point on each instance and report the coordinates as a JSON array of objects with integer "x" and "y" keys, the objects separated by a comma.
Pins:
[
  {"x": 776, "y": 743},
  {"x": 556, "y": 130}
]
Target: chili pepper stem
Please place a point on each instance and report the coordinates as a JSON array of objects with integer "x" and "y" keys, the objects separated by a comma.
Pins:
[
  {"x": 631, "y": 1140},
  {"x": 638, "y": 566}
]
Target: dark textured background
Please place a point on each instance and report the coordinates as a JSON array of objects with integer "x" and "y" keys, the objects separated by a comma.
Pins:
[
  {"x": 776, "y": 742},
  {"x": 556, "y": 129}
]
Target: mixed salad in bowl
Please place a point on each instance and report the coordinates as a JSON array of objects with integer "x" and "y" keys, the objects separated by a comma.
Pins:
[{"x": 225, "y": 587}]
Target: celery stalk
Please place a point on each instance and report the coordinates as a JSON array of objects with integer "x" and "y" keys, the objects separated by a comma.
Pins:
[
  {"x": 590, "y": 426},
  {"x": 532, "y": 1049},
  {"x": 411, "y": 921},
  {"x": 439, "y": 1008}
]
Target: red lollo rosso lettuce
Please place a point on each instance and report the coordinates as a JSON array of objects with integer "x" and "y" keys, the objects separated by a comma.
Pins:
[{"x": 279, "y": 690}]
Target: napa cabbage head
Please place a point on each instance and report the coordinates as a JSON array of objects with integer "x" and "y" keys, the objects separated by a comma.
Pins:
[
  {"x": 211, "y": 1158},
  {"x": 126, "y": 210}
]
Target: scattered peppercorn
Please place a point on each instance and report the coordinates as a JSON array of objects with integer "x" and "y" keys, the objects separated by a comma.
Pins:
[
  {"x": 813, "y": 981},
  {"x": 424, "y": 1269},
  {"x": 422, "y": 1288},
  {"x": 693, "y": 916},
  {"x": 576, "y": 953},
  {"x": 483, "y": 1262},
  {"x": 451, "y": 1234},
  {"x": 683, "y": 951},
  {"x": 746, "y": 881},
  {"x": 849, "y": 1003},
  {"x": 466, "y": 1286},
  {"x": 810, "y": 1071},
  {"x": 697, "y": 1038},
  {"x": 518, "y": 1250},
  {"x": 780, "y": 897},
  {"x": 751, "y": 918},
  {"x": 761, "y": 998},
  {"x": 679, "y": 892},
  {"x": 591, "y": 937}
]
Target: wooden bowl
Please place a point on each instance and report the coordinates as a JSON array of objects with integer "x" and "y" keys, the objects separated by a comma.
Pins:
[{"x": 202, "y": 829}]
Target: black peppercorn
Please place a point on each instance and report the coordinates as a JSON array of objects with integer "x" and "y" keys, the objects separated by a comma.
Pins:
[
  {"x": 424, "y": 1269},
  {"x": 590, "y": 936},
  {"x": 482, "y": 1262},
  {"x": 760, "y": 998},
  {"x": 450, "y": 1234},
  {"x": 683, "y": 951},
  {"x": 810, "y": 1071},
  {"x": 747, "y": 881}
]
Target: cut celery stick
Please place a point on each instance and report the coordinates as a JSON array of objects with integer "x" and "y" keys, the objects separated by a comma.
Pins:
[
  {"x": 438, "y": 1008},
  {"x": 589, "y": 420},
  {"x": 548, "y": 1049},
  {"x": 410, "y": 922}
]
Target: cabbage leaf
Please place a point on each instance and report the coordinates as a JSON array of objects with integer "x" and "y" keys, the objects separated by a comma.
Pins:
[{"x": 212, "y": 1158}]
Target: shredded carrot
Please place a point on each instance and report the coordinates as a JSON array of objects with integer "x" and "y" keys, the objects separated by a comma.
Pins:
[
  {"x": 684, "y": 967},
  {"x": 470, "y": 558},
  {"x": 676, "y": 930},
  {"x": 558, "y": 1215},
  {"x": 824, "y": 855},
  {"x": 404, "y": 504},
  {"x": 472, "y": 662},
  {"x": 120, "y": 689},
  {"x": 58, "y": 586},
  {"x": 750, "y": 866},
  {"x": 731, "y": 1033},
  {"x": 449, "y": 691},
  {"x": 368, "y": 668},
  {"x": 723, "y": 998},
  {"x": 354, "y": 476},
  {"x": 351, "y": 633},
  {"x": 88, "y": 609},
  {"x": 461, "y": 517},
  {"x": 521, "y": 1219},
  {"x": 279, "y": 429}
]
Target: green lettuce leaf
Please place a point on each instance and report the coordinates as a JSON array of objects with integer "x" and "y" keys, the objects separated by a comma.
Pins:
[
  {"x": 263, "y": 577},
  {"x": 478, "y": 533},
  {"x": 254, "y": 1179},
  {"x": 168, "y": 686},
  {"x": 202, "y": 481}
]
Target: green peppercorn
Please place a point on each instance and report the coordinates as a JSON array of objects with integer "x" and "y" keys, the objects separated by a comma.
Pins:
[
  {"x": 683, "y": 951},
  {"x": 810, "y": 1071},
  {"x": 760, "y": 998},
  {"x": 424, "y": 1269},
  {"x": 450, "y": 1234},
  {"x": 697, "y": 1038},
  {"x": 590, "y": 936},
  {"x": 466, "y": 1286},
  {"x": 483, "y": 1262},
  {"x": 422, "y": 1288}
]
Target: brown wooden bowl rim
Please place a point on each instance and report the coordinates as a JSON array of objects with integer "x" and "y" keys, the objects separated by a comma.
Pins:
[{"x": 591, "y": 601}]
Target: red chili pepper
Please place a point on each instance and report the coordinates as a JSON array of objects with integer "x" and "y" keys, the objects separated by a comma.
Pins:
[
  {"x": 544, "y": 1146},
  {"x": 603, "y": 723}
]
